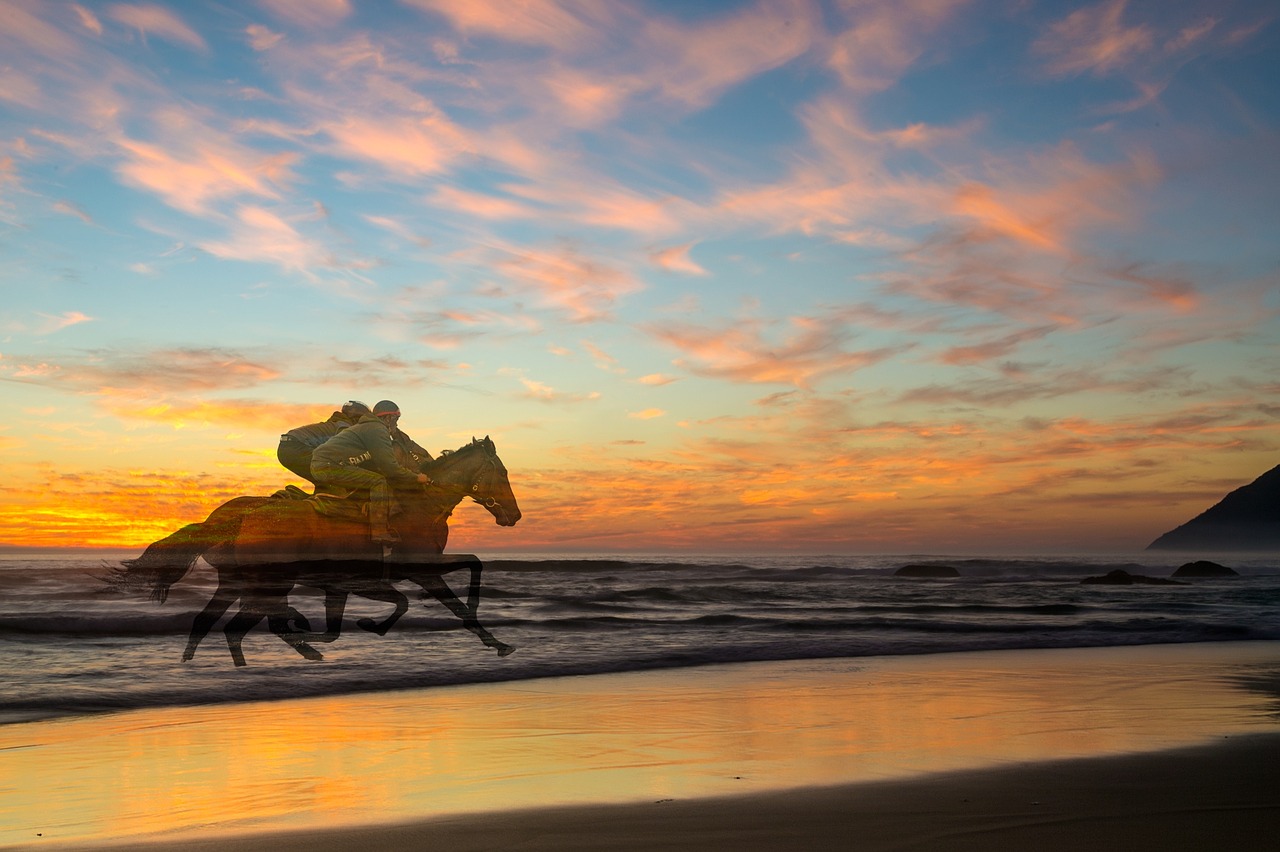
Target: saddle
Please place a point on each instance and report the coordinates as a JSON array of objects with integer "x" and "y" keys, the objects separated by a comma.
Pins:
[{"x": 333, "y": 502}]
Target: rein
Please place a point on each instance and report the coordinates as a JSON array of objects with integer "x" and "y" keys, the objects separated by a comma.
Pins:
[{"x": 474, "y": 489}]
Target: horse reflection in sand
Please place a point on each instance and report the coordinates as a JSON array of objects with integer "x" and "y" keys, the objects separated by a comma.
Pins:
[{"x": 264, "y": 546}]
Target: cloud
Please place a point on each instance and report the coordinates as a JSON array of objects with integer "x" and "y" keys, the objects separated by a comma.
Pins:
[
  {"x": 481, "y": 205},
  {"x": 260, "y": 236},
  {"x": 676, "y": 259},
  {"x": 261, "y": 38},
  {"x": 70, "y": 209},
  {"x": 647, "y": 414},
  {"x": 146, "y": 374},
  {"x": 52, "y": 324},
  {"x": 584, "y": 289},
  {"x": 1009, "y": 390},
  {"x": 88, "y": 20},
  {"x": 241, "y": 413},
  {"x": 408, "y": 145},
  {"x": 1094, "y": 39},
  {"x": 657, "y": 379},
  {"x": 197, "y": 166},
  {"x": 991, "y": 350},
  {"x": 547, "y": 23},
  {"x": 883, "y": 39},
  {"x": 309, "y": 13},
  {"x": 157, "y": 21},
  {"x": 543, "y": 392},
  {"x": 810, "y": 350}
]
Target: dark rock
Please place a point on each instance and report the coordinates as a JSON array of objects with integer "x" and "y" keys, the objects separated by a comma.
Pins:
[
  {"x": 1120, "y": 577},
  {"x": 1247, "y": 519},
  {"x": 1204, "y": 568},
  {"x": 926, "y": 571}
]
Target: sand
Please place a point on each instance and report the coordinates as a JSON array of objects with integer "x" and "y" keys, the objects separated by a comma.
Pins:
[{"x": 1168, "y": 747}]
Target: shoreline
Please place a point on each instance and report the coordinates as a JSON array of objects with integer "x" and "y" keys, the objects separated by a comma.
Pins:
[{"x": 479, "y": 757}]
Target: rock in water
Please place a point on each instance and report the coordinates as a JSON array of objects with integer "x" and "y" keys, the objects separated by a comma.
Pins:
[
  {"x": 1203, "y": 568},
  {"x": 1247, "y": 519},
  {"x": 1120, "y": 577}
]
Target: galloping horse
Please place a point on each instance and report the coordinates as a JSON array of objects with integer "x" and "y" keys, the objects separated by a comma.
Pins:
[{"x": 263, "y": 546}]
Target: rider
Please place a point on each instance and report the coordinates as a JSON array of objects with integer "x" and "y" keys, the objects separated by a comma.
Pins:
[
  {"x": 297, "y": 445},
  {"x": 338, "y": 461},
  {"x": 407, "y": 450}
]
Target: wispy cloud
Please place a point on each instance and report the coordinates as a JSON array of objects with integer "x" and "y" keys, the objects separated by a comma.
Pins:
[
  {"x": 804, "y": 352},
  {"x": 1094, "y": 39},
  {"x": 50, "y": 324},
  {"x": 152, "y": 20},
  {"x": 676, "y": 259}
]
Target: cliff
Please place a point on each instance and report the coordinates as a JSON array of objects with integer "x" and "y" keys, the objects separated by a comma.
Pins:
[{"x": 1247, "y": 519}]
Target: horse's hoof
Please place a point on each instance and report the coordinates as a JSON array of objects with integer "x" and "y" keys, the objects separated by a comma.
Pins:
[
  {"x": 371, "y": 625},
  {"x": 506, "y": 650},
  {"x": 309, "y": 652}
]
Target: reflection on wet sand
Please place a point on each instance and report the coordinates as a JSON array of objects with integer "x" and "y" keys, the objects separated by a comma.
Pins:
[{"x": 632, "y": 737}]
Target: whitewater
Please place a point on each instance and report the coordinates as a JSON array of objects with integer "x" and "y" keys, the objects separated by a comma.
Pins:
[{"x": 70, "y": 644}]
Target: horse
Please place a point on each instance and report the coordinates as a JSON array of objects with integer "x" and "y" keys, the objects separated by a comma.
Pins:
[{"x": 263, "y": 546}]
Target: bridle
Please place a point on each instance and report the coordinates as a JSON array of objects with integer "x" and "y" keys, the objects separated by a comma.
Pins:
[{"x": 488, "y": 470}]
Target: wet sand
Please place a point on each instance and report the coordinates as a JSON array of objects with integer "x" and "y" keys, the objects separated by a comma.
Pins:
[{"x": 1168, "y": 747}]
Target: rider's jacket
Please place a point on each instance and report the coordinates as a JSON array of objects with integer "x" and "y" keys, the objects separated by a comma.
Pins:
[
  {"x": 367, "y": 444},
  {"x": 314, "y": 434}
]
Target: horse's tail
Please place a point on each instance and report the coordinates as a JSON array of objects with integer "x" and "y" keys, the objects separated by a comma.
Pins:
[
  {"x": 168, "y": 560},
  {"x": 163, "y": 563}
]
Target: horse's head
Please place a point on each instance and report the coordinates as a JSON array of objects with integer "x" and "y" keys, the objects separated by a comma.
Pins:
[{"x": 476, "y": 471}]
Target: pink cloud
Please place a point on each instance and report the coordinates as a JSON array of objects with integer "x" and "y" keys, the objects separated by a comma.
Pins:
[
  {"x": 412, "y": 145},
  {"x": 676, "y": 259},
  {"x": 541, "y": 22},
  {"x": 157, "y": 21},
  {"x": 585, "y": 289},
  {"x": 1094, "y": 39},
  {"x": 66, "y": 320},
  {"x": 260, "y": 236}
]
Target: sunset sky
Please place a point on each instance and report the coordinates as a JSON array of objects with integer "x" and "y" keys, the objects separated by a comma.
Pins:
[{"x": 913, "y": 276}]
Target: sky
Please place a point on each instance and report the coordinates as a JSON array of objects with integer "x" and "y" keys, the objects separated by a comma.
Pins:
[{"x": 916, "y": 276}]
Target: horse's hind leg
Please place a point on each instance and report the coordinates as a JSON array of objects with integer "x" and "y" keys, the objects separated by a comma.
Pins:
[
  {"x": 252, "y": 610},
  {"x": 387, "y": 594},
  {"x": 222, "y": 599}
]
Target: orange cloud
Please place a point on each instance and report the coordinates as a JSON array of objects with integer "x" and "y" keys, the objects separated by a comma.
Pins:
[
  {"x": 201, "y": 167},
  {"x": 746, "y": 351}
]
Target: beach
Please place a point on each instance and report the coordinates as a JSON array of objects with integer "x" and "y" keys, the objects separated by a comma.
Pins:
[{"x": 1169, "y": 747}]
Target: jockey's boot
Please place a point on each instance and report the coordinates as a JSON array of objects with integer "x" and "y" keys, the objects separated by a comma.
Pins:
[{"x": 379, "y": 504}]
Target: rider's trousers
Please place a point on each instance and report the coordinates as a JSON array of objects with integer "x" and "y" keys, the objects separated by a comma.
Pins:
[{"x": 361, "y": 479}]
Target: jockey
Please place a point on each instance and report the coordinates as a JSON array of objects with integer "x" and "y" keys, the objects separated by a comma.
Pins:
[
  {"x": 297, "y": 445},
  {"x": 408, "y": 453},
  {"x": 338, "y": 461}
]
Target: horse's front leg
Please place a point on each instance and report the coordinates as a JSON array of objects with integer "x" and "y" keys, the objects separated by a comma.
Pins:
[
  {"x": 435, "y": 586},
  {"x": 335, "y": 605}
]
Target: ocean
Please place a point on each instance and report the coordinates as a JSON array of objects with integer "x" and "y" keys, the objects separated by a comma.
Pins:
[{"x": 71, "y": 645}]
